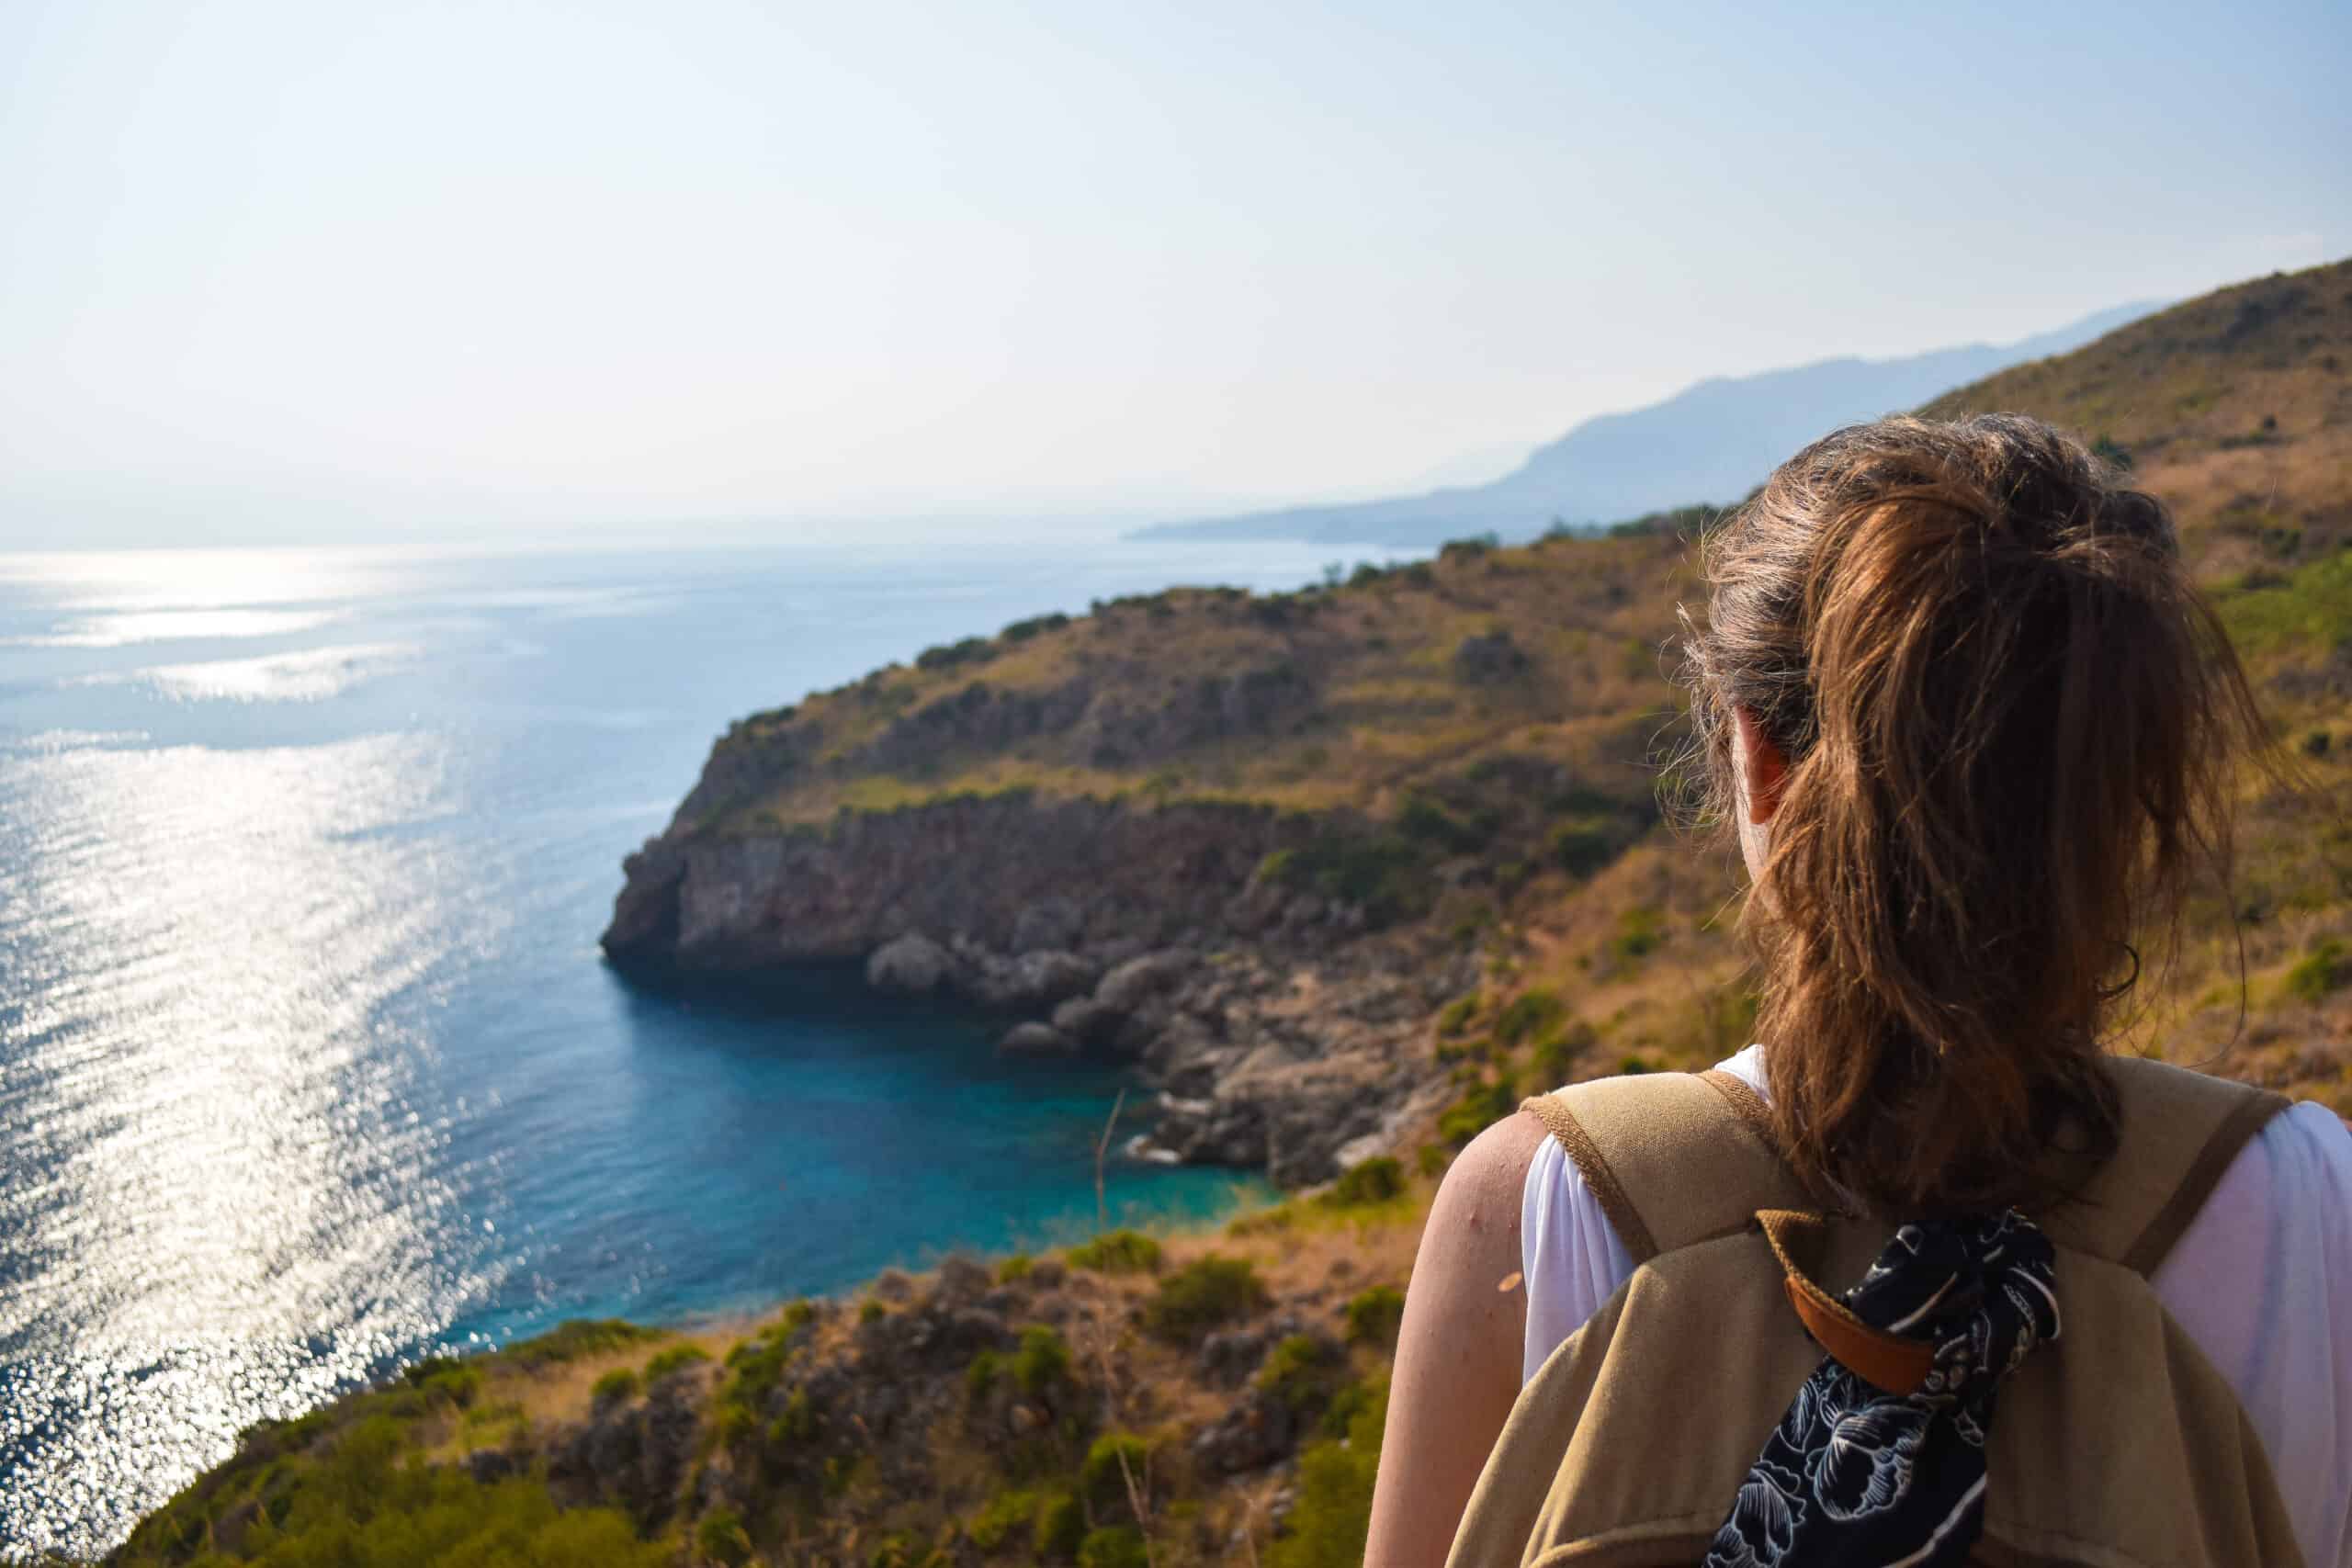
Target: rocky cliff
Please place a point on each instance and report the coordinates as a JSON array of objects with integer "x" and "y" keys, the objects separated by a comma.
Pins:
[{"x": 1248, "y": 844}]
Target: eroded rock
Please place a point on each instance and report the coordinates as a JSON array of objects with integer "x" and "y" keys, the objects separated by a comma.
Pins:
[{"x": 913, "y": 965}]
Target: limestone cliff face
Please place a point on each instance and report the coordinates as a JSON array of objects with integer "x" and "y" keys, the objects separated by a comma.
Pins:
[
  {"x": 999, "y": 876},
  {"x": 1282, "y": 1036}
]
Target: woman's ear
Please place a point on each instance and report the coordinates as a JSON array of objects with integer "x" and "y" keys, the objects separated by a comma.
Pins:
[{"x": 1763, "y": 769}]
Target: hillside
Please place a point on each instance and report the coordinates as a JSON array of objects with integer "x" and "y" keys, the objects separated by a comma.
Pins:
[
  {"x": 1715, "y": 440},
  {"x": 1347, "y": 871}
]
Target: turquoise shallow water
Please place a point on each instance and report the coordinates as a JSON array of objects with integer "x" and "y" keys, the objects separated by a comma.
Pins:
[{"x": 308, "y": 1061}]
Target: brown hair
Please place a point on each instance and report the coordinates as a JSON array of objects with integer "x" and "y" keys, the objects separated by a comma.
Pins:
[{"x": 2010, "y": 723}]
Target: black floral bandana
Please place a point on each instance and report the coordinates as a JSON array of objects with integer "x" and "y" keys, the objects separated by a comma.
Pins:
[{"x": 1858, "y": 1474}]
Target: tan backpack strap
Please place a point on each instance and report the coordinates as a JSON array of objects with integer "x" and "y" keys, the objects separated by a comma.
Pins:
[
  {"x": 1669, "y": 1157},
  {"x": 2242, "y": 1126},
  {"x": 1552, "y": 1110},
  {"x": 2180, "y": 1131},
  {"x": 1745, "y": 1102}
]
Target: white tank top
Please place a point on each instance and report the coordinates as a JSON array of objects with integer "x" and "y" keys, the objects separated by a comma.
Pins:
[{"x": 2261, "y": 1280}]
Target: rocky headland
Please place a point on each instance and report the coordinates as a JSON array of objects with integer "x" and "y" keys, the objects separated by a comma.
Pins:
[{"x": 1248, "y": 845}]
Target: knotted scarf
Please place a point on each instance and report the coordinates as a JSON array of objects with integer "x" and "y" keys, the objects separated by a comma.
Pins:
[{"x": 1860, "y": 1474}]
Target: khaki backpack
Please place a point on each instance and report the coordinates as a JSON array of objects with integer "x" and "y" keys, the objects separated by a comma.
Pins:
[{"x": 2119, "y": 1446}]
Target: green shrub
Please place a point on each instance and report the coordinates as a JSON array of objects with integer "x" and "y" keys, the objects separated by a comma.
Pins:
[
  {"x": 1583, "y": 845},
  {"x": 1425, "y": 819},
  {"x": 1530, "y": 1013},
  {"x": 1001, "y": 1517},
  {"x": 871, "y": 1310},
  {"x": 1374, "y": 1316},
  {"x": 1387, "y": 873},
  {"x": 1302, "y": 1370},
  {"x": 1555, "y": 1055},
  {"x": 720, "y": 1537},
  {"x": 734, "y": 1425},
  {"x": 1457, "y": 1015},
  {"x": 1120, "y": 1546},
  {"x": 756, "y": 1366},
  {"x": 1640, "y": 932},
  {"x": 1333, "y": 1514},
  {"x": 1374, "y": 1180},
  {"x": 1118, "y": 1252},
  {"x": 1015, "y": 1268},
  {"x": 1102, "y": 1478},
  {"x": 1432, "y": 1158},
  {"x": 901, "y": 1550},
  {"x": 620, "y": 1384},
  {"x": 1348, "y": 1403},
  {"x": 1061, "y": 1526},
  {"x": 1208, "y": 1293},
  {"x": 980, "y": 1374},
  {"x": 1043, "y": 1361},
  {"x": 676, "y": 1358},
  {"x": 359, "y": 1499},
  {"x": 971, "y": 650},
  {"x": 458, "y": 1385},
  {"x": 505, "y": 1412},
  {"x": 1633, "y": 1064},
  {"x": 2319, "y": 971},
  {"x": 796, "y": 1423},
  {"x": 576, "y": 1338},
  {"x": 1022, "y": 631},
  {"x": 1269, "y": 1221},
  {"x": 2311, "y": 608},
  {"x": 432, "y": 1367},
  {"x": 1480, "y": 1108}
]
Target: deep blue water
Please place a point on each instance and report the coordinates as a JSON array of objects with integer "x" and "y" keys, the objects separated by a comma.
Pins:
[{"x": 308, "y": 1060}]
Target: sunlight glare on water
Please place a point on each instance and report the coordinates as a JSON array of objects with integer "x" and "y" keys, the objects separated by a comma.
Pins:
[
  {"x": 308, "y": 1063},
  {"x": 218, "y": 1177},
  {"x": 308, "y": 676}
]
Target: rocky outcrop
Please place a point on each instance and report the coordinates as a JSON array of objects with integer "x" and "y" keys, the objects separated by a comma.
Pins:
[
  {"x": 1160, "y": 935},
  {"x": 633, "y": 1454},
  {"x": 1279, "y": 1034},
  {"x": 973, "y": 875}
]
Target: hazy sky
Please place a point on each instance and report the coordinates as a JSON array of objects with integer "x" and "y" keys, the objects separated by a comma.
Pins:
[{"x": 327, "y": 268}]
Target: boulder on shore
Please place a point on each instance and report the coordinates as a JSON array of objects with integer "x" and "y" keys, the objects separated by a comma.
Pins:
[
  {"x": 1036, "y": 979},
  {"x": 1088, "y": 1021},
  {"x": 912, "y": 965},
  {"x": 1137, "y": 981},
  {"x": 1036, "y": 1040}
]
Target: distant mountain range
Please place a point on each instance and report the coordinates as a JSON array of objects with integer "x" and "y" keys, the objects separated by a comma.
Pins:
[{"x": 1711, "y": 442}]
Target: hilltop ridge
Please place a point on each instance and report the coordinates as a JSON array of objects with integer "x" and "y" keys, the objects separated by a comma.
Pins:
[{"x": 1715, "y": 439}]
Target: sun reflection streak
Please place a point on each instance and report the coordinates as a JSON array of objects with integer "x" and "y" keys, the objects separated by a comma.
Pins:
[
  {"x": 174, "y": 626},
  {"x": 219, "y": 1176},
  {"x": 312, "y": 674}
]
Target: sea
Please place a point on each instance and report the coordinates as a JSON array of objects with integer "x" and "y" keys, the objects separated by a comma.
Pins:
[{"x": 308, "y": 1063}]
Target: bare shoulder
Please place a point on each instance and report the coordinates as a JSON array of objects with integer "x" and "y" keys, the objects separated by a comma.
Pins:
[
  {"x": 1474, "y": 1223},
  {"x": 1458, "y": 1350},
  {"x": 1493, "y": 1169}
]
